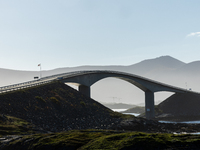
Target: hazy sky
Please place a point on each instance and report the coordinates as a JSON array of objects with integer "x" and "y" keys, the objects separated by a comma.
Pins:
[{"x": 67, "y": 33}]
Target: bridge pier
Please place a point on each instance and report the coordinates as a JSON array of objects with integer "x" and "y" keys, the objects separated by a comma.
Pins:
[
  {"x": 84, "y": 90},
  {"x": 149, "y": 104}
]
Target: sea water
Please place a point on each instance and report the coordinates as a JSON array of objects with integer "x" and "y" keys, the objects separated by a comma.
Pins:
[
  {"x": 189, "y": 122},
  {"x": 121, "y": 110},
  {"x": 161, "y": 121}
]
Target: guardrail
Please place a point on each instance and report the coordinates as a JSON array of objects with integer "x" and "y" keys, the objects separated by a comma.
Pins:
[
  {"x": 21, "y": 87},
  {"x": 76, "y": 73},
  {"x": 32, "y": 83}
]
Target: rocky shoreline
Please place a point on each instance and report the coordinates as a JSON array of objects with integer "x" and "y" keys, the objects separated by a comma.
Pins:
[{"x": 153, "y": 126}]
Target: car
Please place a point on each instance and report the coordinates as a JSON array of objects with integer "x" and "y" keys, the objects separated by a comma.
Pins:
[{"x": 36, "y": 77}]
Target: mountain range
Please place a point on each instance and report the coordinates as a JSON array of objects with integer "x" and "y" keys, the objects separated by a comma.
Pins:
[{"x": 164, "y": 69}]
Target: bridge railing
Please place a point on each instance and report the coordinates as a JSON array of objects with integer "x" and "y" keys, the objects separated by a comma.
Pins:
[
  {"x": 153, "y": 81},
  {"x": 22, "y": 87},
  {"x": 50, "y": 78},
  {"x": 147, "y": 79},
  {"x": 140, "y": 77},
  {"x": 131, "y": 75},
  {"x": 40, "y": 81}
]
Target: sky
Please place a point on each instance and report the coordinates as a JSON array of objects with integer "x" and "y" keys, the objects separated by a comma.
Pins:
[{"x": 69, "y": 33}]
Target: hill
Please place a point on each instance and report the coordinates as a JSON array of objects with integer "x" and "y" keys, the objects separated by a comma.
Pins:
[
  {"x": 146, "y": 68},
  {"x": 159, "y": 65},
  {"x": 137, "y": 109},
  {"x": 180, "y": 107},
  {"x": 56, "y": 107},
  {"x": 118, "y": 105}
]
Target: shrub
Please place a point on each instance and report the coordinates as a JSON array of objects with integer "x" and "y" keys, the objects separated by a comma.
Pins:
[
  {"x": 40, "y": 99},
  {"x": 36, "y": 108},
  {"x": 54, "y": 100},
  {"x": 82, "y": 103},
  {"x": 157, "y": 110}
]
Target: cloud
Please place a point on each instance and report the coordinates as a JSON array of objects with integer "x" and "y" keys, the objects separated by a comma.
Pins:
[{"x": 194, "y": 34}]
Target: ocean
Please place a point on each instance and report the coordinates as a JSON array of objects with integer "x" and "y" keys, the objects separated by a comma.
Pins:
[
  {"x": 189, "y": 122},
  {"x": 121, "y": 110}
]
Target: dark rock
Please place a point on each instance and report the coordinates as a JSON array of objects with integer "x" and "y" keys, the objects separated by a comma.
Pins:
[{"x": 180, "y": 107}]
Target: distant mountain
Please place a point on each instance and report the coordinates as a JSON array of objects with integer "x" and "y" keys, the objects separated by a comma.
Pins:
[
  {"x": 138, "y": 110},
  {"x": 157, "y": 65},
  {"x": 146, "y": 68},
  {"x": 164, "y": 69},
  {"x": 118, "y": 105},
  {"x": 190, "y": 68}
]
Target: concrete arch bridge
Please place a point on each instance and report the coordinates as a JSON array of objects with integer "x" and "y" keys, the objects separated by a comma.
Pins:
[{"x": 87, "y": 78}]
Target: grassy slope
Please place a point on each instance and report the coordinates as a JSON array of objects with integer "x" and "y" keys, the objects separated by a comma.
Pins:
[
  {"x": 15, "y": 126},
  {"x": 101, "y": 139},
  {"x": 83, "y": 139},
  {"x": 54, "y": 104}
]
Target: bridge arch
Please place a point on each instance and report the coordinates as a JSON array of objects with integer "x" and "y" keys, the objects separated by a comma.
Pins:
[
  {"x": 117, "y": 91},
  {"x": 88, "y": 78}
]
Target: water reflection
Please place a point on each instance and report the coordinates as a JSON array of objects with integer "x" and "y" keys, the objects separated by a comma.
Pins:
[
  {"x": 132, "y": 114},
  {"x": 121, "y": 110},
  {"x": 161, "y": 121},
  {"x": 189, "y": 122}
]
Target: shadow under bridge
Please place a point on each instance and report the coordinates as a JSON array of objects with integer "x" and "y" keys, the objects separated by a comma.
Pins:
[{"x": 87, "y": 78}]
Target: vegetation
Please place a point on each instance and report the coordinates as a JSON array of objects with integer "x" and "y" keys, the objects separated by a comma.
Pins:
[
  {"x": 40, "y": 99},
  {"x": 106, "y": 139},
  {"x": 55, "y": 100},
  {"x": 55, "y": 107},
  {"x": 82, "y": 103},
  {"x": 10, "y": 125},
  {"x": 120, "y": 115}
]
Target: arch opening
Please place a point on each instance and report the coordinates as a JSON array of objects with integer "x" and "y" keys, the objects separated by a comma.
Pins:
[
  {"x": 115, "y": 90},
  {"x": 161, "y": 96},
  {"x": 73, "y": 85}
]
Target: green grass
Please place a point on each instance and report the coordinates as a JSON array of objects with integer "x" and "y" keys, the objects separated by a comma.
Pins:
[
  {"x": 71, "y": 139},
  {"x": 15, "y": 125},
  {"x": 82, "y": 103},
  {"x": 40, "y": 99},
  {"x": 143, "y": 140},
  {"x": 107, "y": 139},
  {"x": 54, "y": 100}
]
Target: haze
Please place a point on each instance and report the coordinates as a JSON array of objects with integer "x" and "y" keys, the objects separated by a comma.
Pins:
[
  {"x": 102, "y": 34},
  {"x": 68, "y": 33},
  {"x": 164, "y": 69}
]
